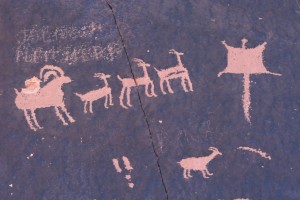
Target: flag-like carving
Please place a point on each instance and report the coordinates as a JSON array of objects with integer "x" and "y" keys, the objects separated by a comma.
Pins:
[{"x": 246, "y": 61}]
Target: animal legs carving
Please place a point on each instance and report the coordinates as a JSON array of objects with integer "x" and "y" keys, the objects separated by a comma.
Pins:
[
  {"x": 169, "y": 87},
  {"x": 70, "y": 118},
  {"x": 91, "y": 106},
  {"x": 106, "y": 101},
  {"x": 122, "y": 98},
  {"x": 60, "y": 116},
  {"x": 207, "y": 172},
  {"x": 161, "y": 84},
  {"x": 128, "y": 96},
  {"x": 184, "y": 174},
  {"x": 35, "y": 120},
  {"x": 110, "y": 99},
  {"x": 204, "y": 174},
  {"x": 29, "y": 121},
  {"x": 84, "y": 107}
]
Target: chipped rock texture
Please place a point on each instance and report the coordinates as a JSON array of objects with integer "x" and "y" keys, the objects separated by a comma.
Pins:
[{"x": 118, "y": 153}]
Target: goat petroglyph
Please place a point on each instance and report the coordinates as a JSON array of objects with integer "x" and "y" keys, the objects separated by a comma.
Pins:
[
  {"x": 258, "y": 151},
  {"x": 175, "y": 72},
  {"x": 246, "y": 61},
  {"x": 198, "y": 164},
  {"x": 41, "y": 44},
  {"x": 128, "y": 83},
  {"x": 33, "y": 97},
  {"x": 91, "y": 96},
  {"x": 128, "y": 167}
]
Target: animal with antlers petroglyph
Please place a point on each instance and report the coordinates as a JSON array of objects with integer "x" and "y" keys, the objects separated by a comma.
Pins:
[
  {"x": 198, "y": 164},
  {"x": 91, "y": 96},
  {"x": 178, "y": 71},
  {"x": 129, "y": 83},
  {"x": 50, "y": 95}
]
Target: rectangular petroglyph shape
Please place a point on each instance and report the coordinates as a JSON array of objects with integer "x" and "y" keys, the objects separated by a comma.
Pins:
[{"x": 40, "y": 44}]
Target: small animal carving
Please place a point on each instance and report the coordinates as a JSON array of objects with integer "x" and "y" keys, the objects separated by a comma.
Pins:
[
  {"x": 129, "y": 83},
  {"x": 198, "y": 164},
  {"x": 50, "y": 95},
  {"x": 91, "y": 96},
  {"x": 178, "y": 71}
]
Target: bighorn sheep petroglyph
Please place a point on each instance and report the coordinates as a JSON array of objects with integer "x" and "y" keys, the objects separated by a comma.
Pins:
[
  {"x": 129, "y": 83},
  {"x": 50, "y": 95},
  {"x": 91, "y": 96},
  {"x": 178, "y": 71},
  {"x": 198, "y": 164}
]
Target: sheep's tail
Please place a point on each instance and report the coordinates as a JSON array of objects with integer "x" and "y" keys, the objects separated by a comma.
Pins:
[
  {"x": 156, "y": 70},
  {"x": 119, "y": 78},
  {"x": 79, "y": 95},
  {"x": 17, "y": 92}
]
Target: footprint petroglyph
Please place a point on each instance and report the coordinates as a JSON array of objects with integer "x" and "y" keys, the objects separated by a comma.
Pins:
[
  {"x": 198, "y": 164},
  {"x": 127, "y": 166},
  {"x": 246, "y": 61}
]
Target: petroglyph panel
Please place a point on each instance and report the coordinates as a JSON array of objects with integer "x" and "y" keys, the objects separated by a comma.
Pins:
[{"x": 41, "y": 44}]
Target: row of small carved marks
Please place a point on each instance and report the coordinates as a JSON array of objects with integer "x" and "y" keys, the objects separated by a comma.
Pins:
[
  {"x": 40, "y": 44},
  {"x": 33, "y": 96},
  {"x": 128, "y": 167},
  {"x": 200, "y": 163}
]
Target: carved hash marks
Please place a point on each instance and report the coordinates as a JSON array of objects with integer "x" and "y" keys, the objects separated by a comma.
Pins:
[{"x": 246, "y": 61}]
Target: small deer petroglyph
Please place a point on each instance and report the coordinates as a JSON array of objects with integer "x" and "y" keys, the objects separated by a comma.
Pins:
[
  {"x": 91, "y": 96},
  {"x": 129, "y": 83},
  {"x": 178, "y": 71},
  {"x": 50, "y": 95},
  {"x": 198, "y": 164}
]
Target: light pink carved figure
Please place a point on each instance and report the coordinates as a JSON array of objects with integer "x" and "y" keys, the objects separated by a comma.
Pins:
[
  {"x": 198, "y": 164},
  {"x": 258, "y": 151},
  {"x": 246, "y": 61},
  {"x": 178, "y": 71},
  {"x": 50, "y": 95},
  {"x": 91, "y": 96},
  {"x": 129, "y": 83},
  {"x": 128, "y": 167}
]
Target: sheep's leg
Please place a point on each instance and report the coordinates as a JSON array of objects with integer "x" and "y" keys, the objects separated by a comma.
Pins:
[
  {"x": 208, "y": 173},
  {"x": 183, "y": 84},
  {"x": 128, "y": 97},
  {"x": 70, "y": 118},
  {"x": 152, "y": 90},
  {"x": 184, "y": 173},
  {"x": 85, "y": 105},
  {"x": 106, "y": 101},
  {"x": 29, "y": 121},
  {"x": 189, "y": 83},
  {"x": 169, "y": 87},
  {"x": 161, "y": 84},
  {"x": 189, "y": 173},
  {"x": 35, "y": 120},
  {"x": 59, "y": 115},
  {"x": 147, "y": 90},
  {"x": 203, "y": 174},
  {"x": 110, "y": 99},
  {"x": 122, "y": 98},
  {"x": 91, "y": 106}
]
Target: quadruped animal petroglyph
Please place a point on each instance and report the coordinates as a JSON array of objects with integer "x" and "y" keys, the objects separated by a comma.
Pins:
[
  {"x": 33, "y": 96},
  {"x": 91, "y": 96},
  {"x": 198, "y": 164},
  {"x": 128, "y": 83},
  {"x": 246, "y": 61},
  {"x": 175, "y": 72}
]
